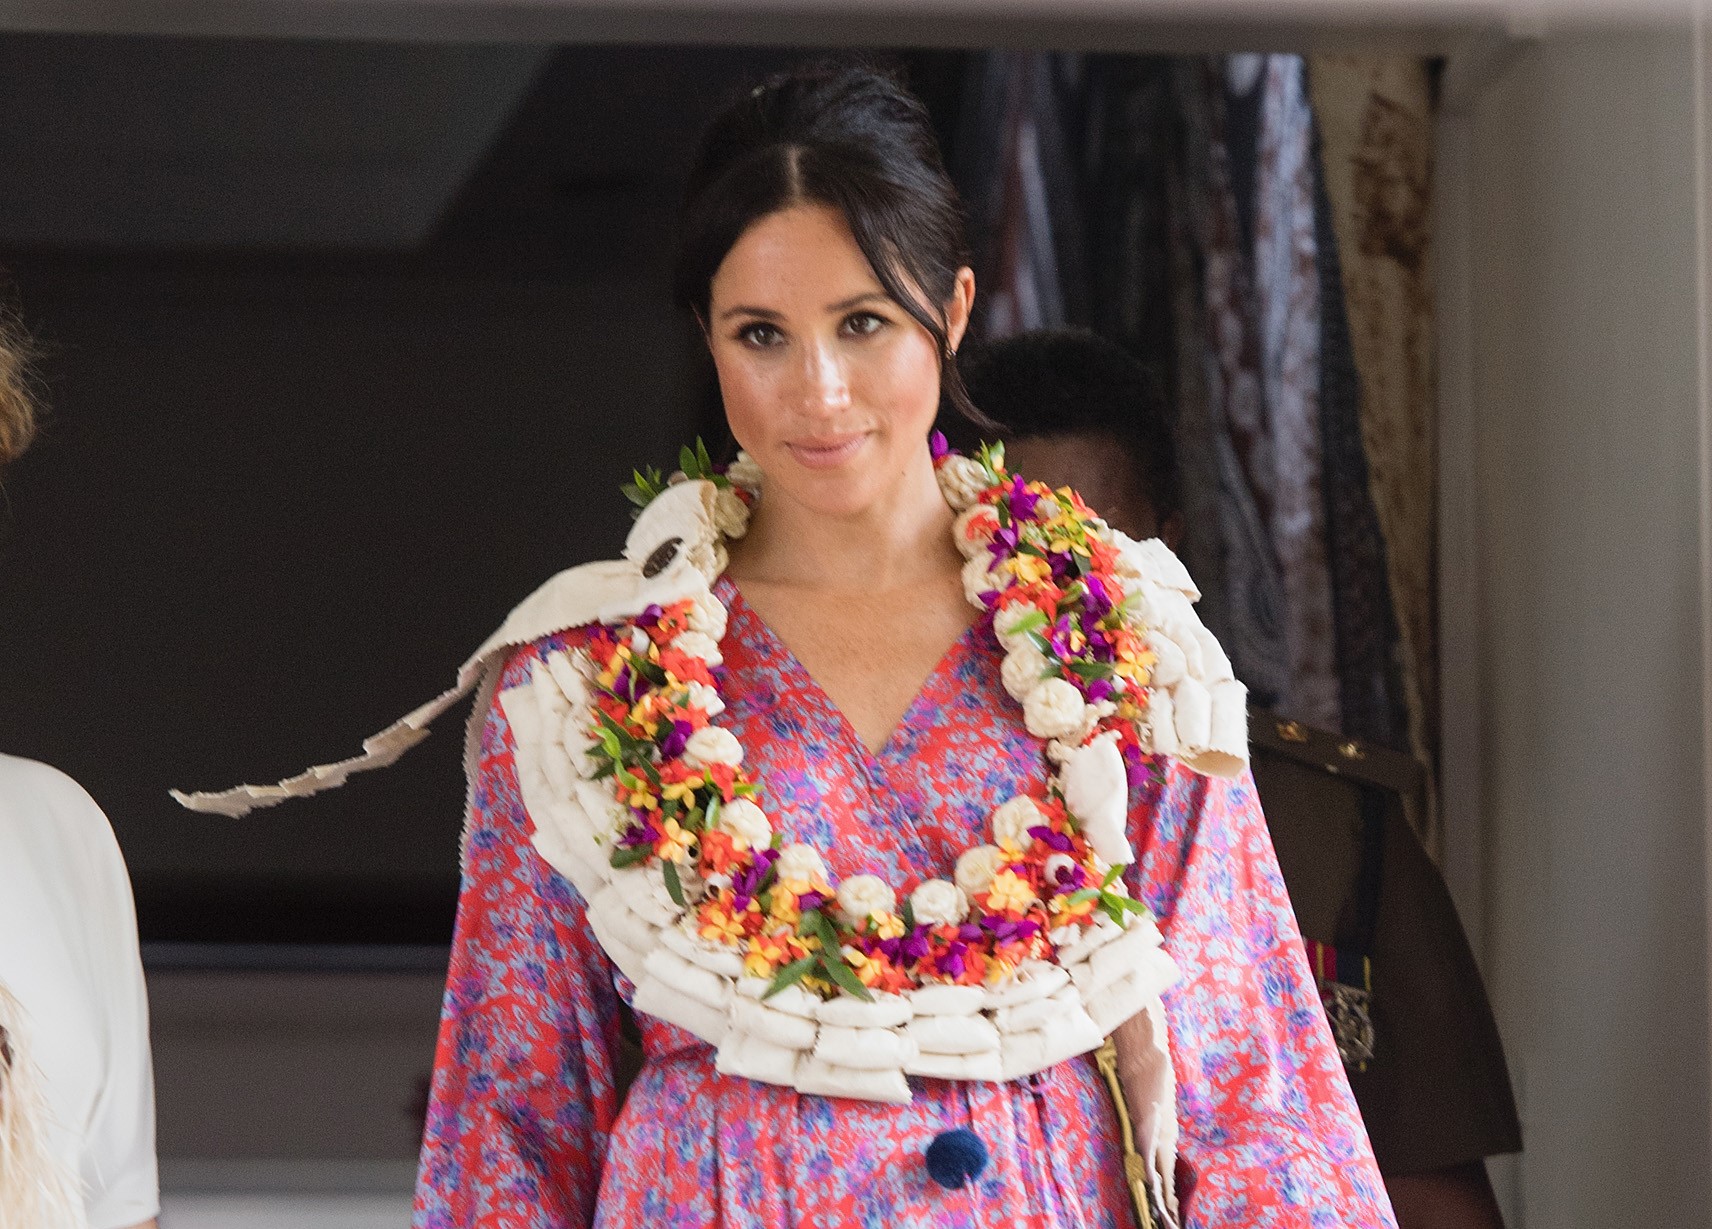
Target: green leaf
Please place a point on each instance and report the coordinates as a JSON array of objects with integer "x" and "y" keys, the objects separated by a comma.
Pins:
[
  {"x": 1112, "y": 874},
  {"x": 712, "y": 810},
  {"x": 1040, "y": 642},
  {"x": 842, "y": 973},
  {"x": 816, "y": 923},
  {"x": 1085, "y": 894},
  {"x": 631, "y": 855},
  {"x": 674, "y": 886},
  {"x": 705, "y": 461},
  {"x": 908, "y": 915},
  {"x": 1033, "y": 621},
  {"x": 1090, "y": 669},
  {"x": 790, "y": 975},
  {"x": 687, "y": 462},
  {"x": 606, "y": 769},
  {"x": 634, "y": 494}
]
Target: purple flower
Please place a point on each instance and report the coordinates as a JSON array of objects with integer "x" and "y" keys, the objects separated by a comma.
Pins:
[
  {"x": 676, "y": 739},
  {"x": 1097, "y": 690},
  {"x": 915, "y": 944},
  {"x": 951, "y": 960},
  {"x": 937, "y": 445},
  {"x": 635, "y": 834},
  {"x": 1004, "y": 543},
  {"x": 812, "y": 900},
  {"x": 650, "y": 615},
  {"x": 1070, "y": 878},
  {"x": 1008, "y": 930},
  {"x": 1098, "y": 601},
  {"x": 1054, "y": 840},
  {"x": 1059, "y": 639},
  {"x": 1023, "y": 501}
]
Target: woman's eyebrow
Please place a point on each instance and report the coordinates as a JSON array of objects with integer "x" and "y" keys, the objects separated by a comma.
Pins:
[
  {"x": 847, "y": 304},
  {"x": 766, "y": 313}
]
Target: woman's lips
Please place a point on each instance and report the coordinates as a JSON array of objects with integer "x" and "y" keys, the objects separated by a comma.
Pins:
[{"x": 827, "y": 451}]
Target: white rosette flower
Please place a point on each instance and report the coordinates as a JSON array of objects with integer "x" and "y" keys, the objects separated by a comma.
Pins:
[
  {"x": 1006, "y": 622},
  {"x": 730, "y": 513},
  {"x": 976, "y": 868},
  {"x": 1054, "y": 709},
  {"x": 700, "y": 695},
  {"x": 800, "y": 864},
  {"x": 745, "y": 821},
  {"x": 861, "y": 896},
  {"x": 939, "y": 902},
  {"x": 974, "y": 529},
  {"x": 745, "y": 473},
  {"x": 696, "y": 644},
  {"x": 978, "y": 579},
  {"x": 712, "y": 745},
  {"x": 708, "y": 616},
  {"x": 961, "y": 481},
  {"x": 1096, "y": 791},
  {"x": 1012, "y": 821},
  {"x": 1024, "y": 669}
]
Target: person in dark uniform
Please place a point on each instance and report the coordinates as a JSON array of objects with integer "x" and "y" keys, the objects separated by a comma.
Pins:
[{"x": 1400, "y": 984}]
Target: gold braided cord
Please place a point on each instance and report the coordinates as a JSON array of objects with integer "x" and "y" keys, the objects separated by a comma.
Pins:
[{"x": 1135, "y": 1166}]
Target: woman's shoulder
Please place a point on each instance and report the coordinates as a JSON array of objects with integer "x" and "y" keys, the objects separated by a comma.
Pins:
[{"x": 32, "y": 792}]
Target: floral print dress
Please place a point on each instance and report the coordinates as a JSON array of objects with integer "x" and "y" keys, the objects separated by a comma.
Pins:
[{"x": 526, "y": 1129}]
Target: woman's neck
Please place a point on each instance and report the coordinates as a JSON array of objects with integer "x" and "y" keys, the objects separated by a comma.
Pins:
[{"x": 901, "y": 539}]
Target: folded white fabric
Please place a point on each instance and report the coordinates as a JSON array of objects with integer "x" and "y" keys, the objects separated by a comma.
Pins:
[{"x": 823, "y": 1079}]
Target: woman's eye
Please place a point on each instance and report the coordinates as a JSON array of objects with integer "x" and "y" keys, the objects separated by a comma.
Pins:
[
  {"x": 760, "y": 334},
  {"x": 864, "y": 324}
]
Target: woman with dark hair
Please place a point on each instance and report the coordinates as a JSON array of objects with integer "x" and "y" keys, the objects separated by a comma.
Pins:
[{"x": 880, "y": 784}]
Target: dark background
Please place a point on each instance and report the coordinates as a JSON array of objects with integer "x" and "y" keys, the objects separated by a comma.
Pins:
[{"x": 347, "y": 347}]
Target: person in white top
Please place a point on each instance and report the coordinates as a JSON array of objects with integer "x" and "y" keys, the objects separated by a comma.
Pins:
[{"x": 77, "y": 1115}]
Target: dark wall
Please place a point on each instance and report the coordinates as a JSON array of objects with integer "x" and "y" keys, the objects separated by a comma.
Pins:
[{"x": 273, "y": 509}]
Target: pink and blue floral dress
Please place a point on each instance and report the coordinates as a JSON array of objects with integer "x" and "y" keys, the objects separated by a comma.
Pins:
[{"x": 526, "y": 1129}]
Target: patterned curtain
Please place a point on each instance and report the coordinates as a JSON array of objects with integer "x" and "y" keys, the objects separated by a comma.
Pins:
[{"x": 1255, "y": 228}]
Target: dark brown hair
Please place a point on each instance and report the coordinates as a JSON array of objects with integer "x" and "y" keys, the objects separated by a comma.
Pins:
[
  {"x": 17, "y": 402},
  {"x": 851, "y": 137}
]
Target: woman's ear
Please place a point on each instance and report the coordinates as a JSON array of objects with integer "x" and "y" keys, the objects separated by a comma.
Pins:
[{"x": 958, "y": 307}]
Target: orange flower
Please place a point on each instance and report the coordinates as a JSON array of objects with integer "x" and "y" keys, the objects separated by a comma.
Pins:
[
  {"x": 684, "y": 668},
  {"x": 674, "y": 620},
  {"x": 719, "y": 853},
  {"x": 725, "y": 779}
]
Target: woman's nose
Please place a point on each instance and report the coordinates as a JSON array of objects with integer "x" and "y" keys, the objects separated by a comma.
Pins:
[{"x": 826, "y": 383}]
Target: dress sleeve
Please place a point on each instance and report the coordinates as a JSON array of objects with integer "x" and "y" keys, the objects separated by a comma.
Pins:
[
  {"x": 118, "y": 1161},
  {"x": 1270, "y": 1135},
  {"x": 523, "y": 1097}
]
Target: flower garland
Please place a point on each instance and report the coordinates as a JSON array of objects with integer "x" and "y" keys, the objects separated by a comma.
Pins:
[{"x": 1045, "y": 573}]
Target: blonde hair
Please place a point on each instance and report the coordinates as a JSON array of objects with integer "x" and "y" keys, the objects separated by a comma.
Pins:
[
  {"x": 17, "y": 401},
  {"x": 37, "y": 1191}
]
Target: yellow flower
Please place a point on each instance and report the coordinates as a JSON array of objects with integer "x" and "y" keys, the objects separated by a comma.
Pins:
[
  {"x": 766, "y": 953},
  {"x": 1063, "y": 911},
  {"x": 1009, "y": 893},
  {"x": 784, "y": 905},
  {"x": 680, "y": 791},
  {"x": 1029, "y": 569},
  {"x": 888, "y": 926},
  {"x": 719, "y": 924},
  {"x": 643, "y": 797},
  {"x": 674, "y": 843}
]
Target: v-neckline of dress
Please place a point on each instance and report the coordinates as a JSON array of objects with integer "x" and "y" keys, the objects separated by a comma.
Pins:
[{"x": 889, "y": 749}]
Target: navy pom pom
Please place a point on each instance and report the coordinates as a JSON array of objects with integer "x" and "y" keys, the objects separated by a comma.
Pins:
[{"x": 956, "y": 1158}]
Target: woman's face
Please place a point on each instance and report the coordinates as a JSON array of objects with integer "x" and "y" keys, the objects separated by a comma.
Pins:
[{"x": 828, "y": 384}]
